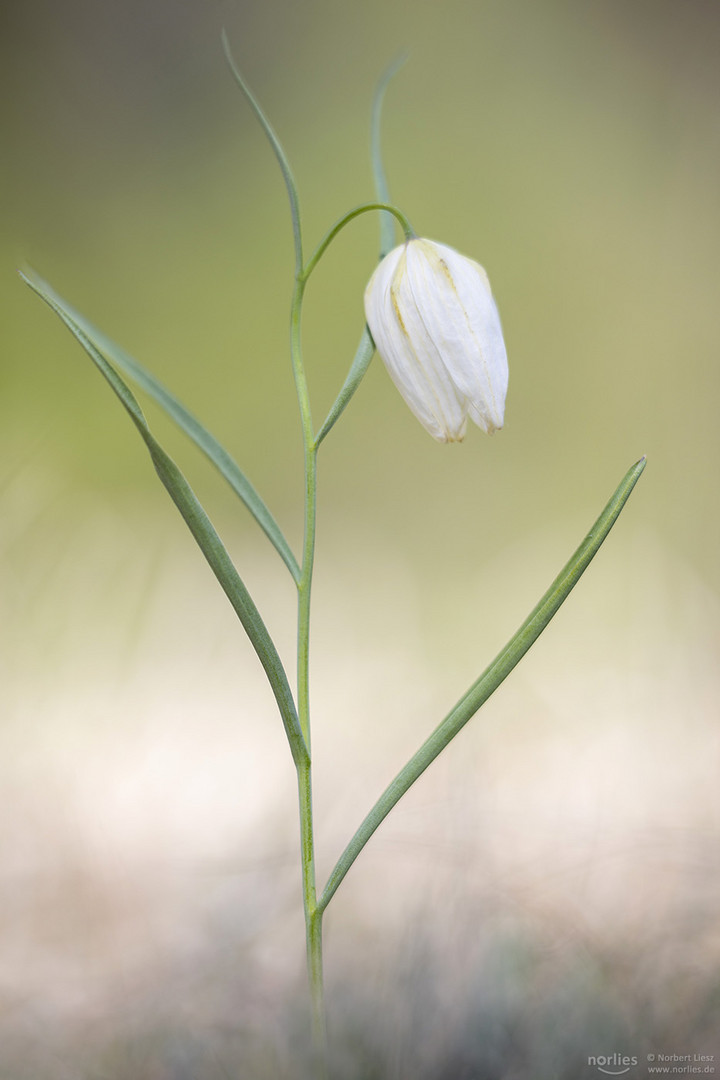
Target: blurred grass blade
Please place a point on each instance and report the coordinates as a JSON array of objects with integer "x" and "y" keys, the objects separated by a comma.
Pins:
[
  {"x": 488, "y": 682},
  {"x": 202, "y": 529},
  {"x": 277, "y": 150},
  {"x": 192, "y": 427},
  {"x": 359, "y": 366},
  {"x": 387, "y": 223}
]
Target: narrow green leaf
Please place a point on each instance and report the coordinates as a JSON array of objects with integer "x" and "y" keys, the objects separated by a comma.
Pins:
[
  {"x": 387, "y": 225},
  {"x": 359, "y": 366},
  {"x": 366, "y": 348},
  {"x": 488, "y": 682},
  {"x": 277, "y": 150},
  {"x": 201, "y": 528},
  {"x": 213, "y": 450}
]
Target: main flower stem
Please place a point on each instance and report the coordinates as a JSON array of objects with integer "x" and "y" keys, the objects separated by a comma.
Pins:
[{"x": 313, "y": 916}]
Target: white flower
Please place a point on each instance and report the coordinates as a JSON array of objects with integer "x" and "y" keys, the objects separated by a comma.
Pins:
[{"x": 435, "y": 324}]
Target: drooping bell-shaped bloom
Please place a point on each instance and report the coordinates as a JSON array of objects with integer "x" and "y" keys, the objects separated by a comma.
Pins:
[{"x": 435, "y": 324}]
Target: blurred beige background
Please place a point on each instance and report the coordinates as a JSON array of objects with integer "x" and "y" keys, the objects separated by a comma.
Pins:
[{"x": 551, "y": 885}]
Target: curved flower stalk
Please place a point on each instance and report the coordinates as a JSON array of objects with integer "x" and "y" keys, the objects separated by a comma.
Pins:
[{"x": 436, "y": 326}]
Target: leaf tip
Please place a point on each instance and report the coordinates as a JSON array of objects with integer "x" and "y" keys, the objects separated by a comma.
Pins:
[
  {"x": 394, "y": 66},
  {"x": 225, "y": 42},
  {"x": 32, "y": 279}
]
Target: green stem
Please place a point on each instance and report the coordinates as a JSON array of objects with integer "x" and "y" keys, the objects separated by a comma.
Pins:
[
  {"x": 310, "y": 452},
  {"x": 313, "y": 917},
  {"x": 317, "y": 988},
  {"x": 345, "y": 220},
  {"x": 303, "y": 579}
]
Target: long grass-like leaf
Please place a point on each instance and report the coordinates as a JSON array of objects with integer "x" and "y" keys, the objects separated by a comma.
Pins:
[
  {"x": 276, "y": 145},
  {"x": 359, "y": 366},
  {"x": 213, "y": 450},
  {"x": 201, "y": 528},
  {"x": 387, "y": 224},
  {"x": 366, "y": 348},
  {"x": 488, "y": 682}
]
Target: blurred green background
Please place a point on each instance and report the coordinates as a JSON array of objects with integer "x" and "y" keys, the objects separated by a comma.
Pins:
[{"x": 150, "y": 890}]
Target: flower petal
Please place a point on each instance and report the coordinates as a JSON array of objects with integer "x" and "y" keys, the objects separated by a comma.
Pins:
[
  {"x": 461, "y": 318},
  {"x": 408, "y": 351}
]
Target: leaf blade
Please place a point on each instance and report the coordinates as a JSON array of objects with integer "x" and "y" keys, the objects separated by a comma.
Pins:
[
  {"x": 359, "y": 366},
  {"x": 387, "y": 223},
  {"x": 488, "y": 681},
  {"x": 189, "y": 424},
  {"x": 366, "y": 348},
  {"x": 203, "y": 532},
  {"x": 277, "y": 148}
]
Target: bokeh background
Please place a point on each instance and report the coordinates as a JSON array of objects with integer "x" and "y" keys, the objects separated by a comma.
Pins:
[{"x": 549, "y": 890}]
